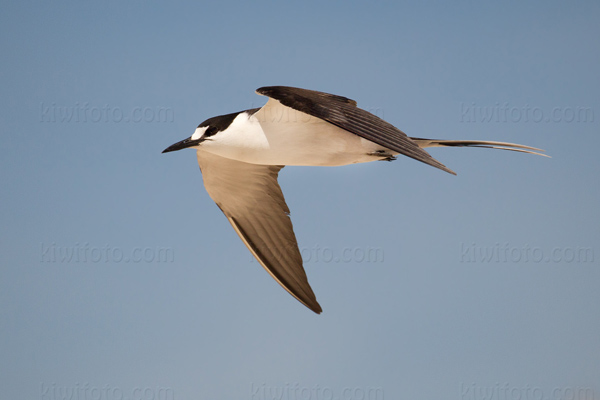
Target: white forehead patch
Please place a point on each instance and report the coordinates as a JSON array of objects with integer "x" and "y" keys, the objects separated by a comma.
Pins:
[{"x": 198, "y": 133}]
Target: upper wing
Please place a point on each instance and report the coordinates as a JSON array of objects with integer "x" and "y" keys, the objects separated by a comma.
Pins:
[
  {"x": 252, "y": 201},
  {"x": 342, "y": 112}
]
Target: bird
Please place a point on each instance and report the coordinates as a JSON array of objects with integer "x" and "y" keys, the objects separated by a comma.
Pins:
[{"x": 240, "y": 156}]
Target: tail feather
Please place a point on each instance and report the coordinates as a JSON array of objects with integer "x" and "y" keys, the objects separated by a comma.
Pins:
[{"x": 423, "y": 143}]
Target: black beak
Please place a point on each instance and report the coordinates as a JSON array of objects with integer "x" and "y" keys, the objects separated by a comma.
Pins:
[{"x": 185, "y": 143}]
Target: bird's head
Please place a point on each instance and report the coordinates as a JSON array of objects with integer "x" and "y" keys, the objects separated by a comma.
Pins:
[{"x": 205, "y": 132}]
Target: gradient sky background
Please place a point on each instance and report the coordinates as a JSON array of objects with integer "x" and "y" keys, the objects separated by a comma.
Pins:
[{"x": 431, "y": 318}]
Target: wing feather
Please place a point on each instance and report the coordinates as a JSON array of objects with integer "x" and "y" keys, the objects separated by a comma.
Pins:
[
  {"x": 343, "y": 113},
  {"x": 252, "y": 201}
]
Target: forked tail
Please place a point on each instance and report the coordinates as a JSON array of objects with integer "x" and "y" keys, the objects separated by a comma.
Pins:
[{"x": 423, "y": 143}]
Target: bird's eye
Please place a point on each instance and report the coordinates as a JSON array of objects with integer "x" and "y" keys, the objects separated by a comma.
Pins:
[{"x": 211, "y": 130}]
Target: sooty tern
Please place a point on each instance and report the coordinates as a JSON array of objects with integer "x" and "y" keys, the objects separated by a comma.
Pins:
[{"x": 241, "y": 154}]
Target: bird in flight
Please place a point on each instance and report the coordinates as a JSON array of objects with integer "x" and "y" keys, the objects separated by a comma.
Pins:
[{"x": 240, "y": 156}]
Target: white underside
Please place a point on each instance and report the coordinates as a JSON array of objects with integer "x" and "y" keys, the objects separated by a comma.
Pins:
[{"x": 279, "y": 135}]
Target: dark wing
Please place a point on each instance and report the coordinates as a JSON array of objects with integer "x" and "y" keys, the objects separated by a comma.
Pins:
[
  {"x": 343, "y": 113},
  {"x": 252, "y": 201}
]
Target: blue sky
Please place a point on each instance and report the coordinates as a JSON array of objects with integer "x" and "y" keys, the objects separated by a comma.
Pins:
[{"x": 120, "y": 278}]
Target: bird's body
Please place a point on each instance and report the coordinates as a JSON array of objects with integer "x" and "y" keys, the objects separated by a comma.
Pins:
[
  {"x": 279, "y": 135},
  {"x": 241, "y": 154}
]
